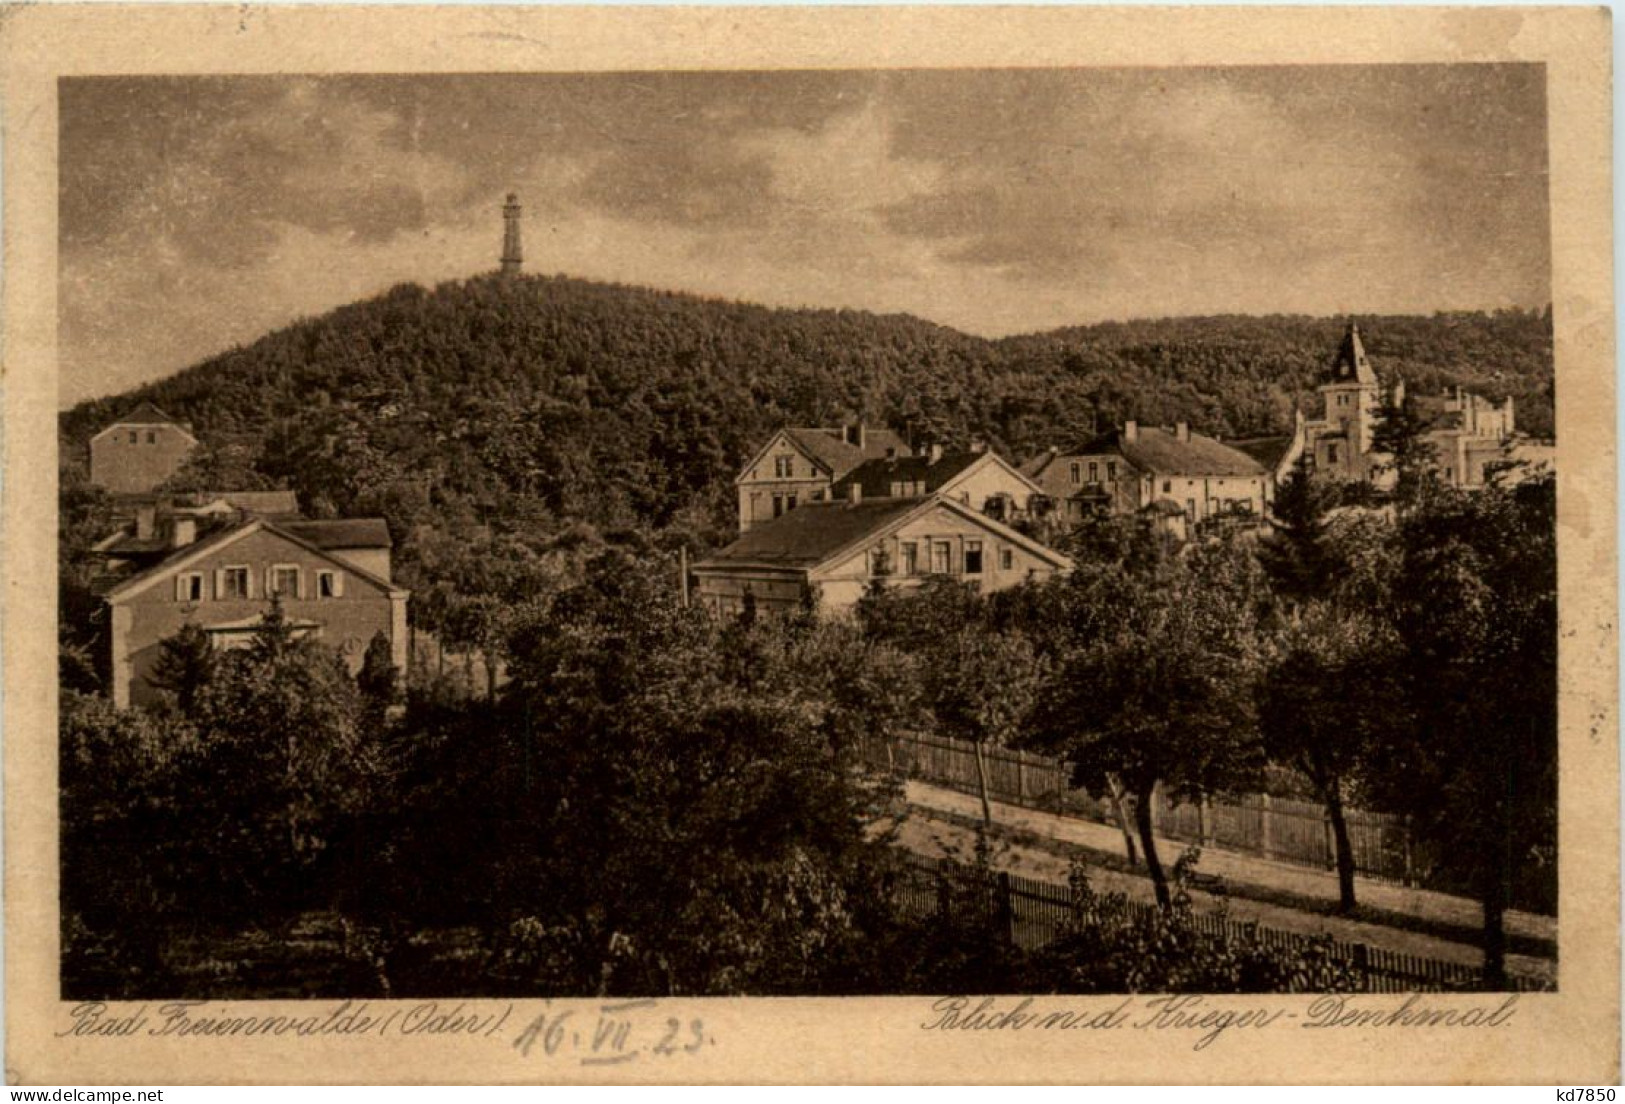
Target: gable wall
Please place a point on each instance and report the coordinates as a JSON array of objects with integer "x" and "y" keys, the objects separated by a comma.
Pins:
[
  {"x": 141, "y": 622},
  {"x": 975, "y": 487},
  {"x": 126, "y": 467},
  {"x": 842, "y": 583},
  {"x": 759, "y": 484}
]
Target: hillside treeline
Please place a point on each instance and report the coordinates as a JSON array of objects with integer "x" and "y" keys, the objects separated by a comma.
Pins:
[{"x": 535, "y": 420}]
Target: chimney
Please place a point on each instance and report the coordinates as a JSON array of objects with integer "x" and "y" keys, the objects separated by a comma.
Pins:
[
  {"x": 513, "y": 254},
  {"x": 891, "y": 452},
  {"x": 1131, "y": 432},
  {"x": 182, "y": 531},
  {"x": 978, "y": 445},
  {"x": 1182, "y": 430},
  {"x": 146, "y": 520},
  {"x": 854, "y": 492},
  {"x": 934, "y": 453}
]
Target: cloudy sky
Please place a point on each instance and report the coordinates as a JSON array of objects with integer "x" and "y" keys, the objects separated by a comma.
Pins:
[{"x": 199, "y": 213}]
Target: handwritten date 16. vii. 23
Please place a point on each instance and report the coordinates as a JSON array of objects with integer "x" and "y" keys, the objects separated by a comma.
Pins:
[{"x": 616, "y": 1034}]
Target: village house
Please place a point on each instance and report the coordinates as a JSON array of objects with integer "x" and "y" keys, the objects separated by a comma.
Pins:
[
  {"x": 799, "y": 465},
  {"x": 837, "y": 549},
  {"x": 219, "y": 570},
  {"x": 139, "y": 451},
  {"x": 1171, "y": 472},
  {"x": 976, "y": 477}
]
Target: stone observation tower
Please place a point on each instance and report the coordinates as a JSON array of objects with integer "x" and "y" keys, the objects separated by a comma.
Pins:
[{"x": 513, "y": 255}]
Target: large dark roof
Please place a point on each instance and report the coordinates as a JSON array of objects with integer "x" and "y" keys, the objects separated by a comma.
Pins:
[
  {"x": 341, "y": 533},
  {"x": 1268, "y": 451},
  {"x": 148, "y": 414},
  {"x": 204, "y": 542},
  {"x": 1350, "y": 365},
  {"x": 808, "y": 535},
  {"x": 1162, "y": 452},
  {"x": 877, "y": 476},
  {"x": 266, "y": 503},
  {"x": 830, "y": 448}
]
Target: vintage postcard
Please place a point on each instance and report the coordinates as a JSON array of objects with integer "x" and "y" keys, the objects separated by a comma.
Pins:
[{"x": 827, "y": 544}]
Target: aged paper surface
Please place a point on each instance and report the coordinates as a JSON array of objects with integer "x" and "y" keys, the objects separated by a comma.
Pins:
[{"x": 1568, "y": 1036}]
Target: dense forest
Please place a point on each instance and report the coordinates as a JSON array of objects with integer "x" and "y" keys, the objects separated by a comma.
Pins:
[
  {"x": 506, "y": 429},
  {"x": 542, "y": 447}
]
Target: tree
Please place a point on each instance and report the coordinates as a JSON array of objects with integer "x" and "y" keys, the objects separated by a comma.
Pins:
[
  {"x": 120, "y": 816},
  {"x": 1331, "y": 694},
  {"x": 1400, "y": 435},
  {"x": 281, "y": 765},
  {"x": 1162, "y": 692},
  {"x": 701, "y": 837},
  {"x": 1295, "y": 553},
  {"x": 1475, "y": 606},
  {"x": 379, "y": 679},
  {"x": 984, "y": 686},
  {"x": 185, "y": 665}
]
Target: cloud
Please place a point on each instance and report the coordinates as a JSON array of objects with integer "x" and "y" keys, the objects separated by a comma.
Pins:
[{"x": 201, "y": 212}]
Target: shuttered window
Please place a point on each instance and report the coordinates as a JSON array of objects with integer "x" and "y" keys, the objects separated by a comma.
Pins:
[{"x": 232, "y": 583}]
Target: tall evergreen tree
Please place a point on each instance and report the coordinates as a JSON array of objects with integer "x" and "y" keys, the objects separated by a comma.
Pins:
[
  {"x": 1400, "y": 437},
  {"x": 185, "y": 665}
]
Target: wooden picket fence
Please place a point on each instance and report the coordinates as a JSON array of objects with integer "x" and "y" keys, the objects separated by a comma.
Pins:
[
  {"x": 1038, "y": 912},
  {"x": 1253, "y": 824}
]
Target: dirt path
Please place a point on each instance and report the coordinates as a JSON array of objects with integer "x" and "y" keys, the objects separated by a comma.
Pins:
[
  {"x": 1290, "y": 878},
  {"x": 936, "y": 838}
]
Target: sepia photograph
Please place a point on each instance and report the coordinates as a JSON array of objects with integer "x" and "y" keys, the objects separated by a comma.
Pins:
[
  {"x": 1026, "y": 540},
  {"x": 807, "y": 533}
]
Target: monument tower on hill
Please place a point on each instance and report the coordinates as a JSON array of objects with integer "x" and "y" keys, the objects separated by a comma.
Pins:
[{"x": 513, "y": 254}]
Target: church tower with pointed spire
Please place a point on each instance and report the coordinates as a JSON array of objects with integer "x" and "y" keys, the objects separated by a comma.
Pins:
[
  {"x": 1352, "y": 396},
  {"x": 513, "y": 254}
]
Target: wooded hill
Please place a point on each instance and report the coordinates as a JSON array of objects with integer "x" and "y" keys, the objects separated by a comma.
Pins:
[{"x": 558, "y": 411}]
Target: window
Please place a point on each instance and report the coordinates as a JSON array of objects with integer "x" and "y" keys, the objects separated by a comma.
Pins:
[
  {"x": 134, "y": 437},
  {"x": 1094, "y": 473},
  {"x": 152, "y": 437},
  {"x": 1007, "y": 559},
  {"x": 232, "y": 582},
  {"x": 789, "y": 503},
  {"x": 329, "y": 584},
  {"x": 973, "y": 557},
  {"x": 1111, "y": 471},
  {"x": 877, "y": 562},
  {"x": 282, "y": 579},
  {"x": 778, "y": 505},
  {"x": 1167, "y": 485},
  {"x": 189, "y": 588},
  {"x": 818, "y": 496},
  {"x": 941, "y": 557},
  {"x": 911, "y": 558},
  {"x": 783, "y": 467},
  {"x": 1331, "y": 454},
  {"x": 1077, "y": 473}
]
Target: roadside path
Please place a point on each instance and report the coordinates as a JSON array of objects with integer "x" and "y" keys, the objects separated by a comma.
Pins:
[{"x": 937, "y": 837}]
